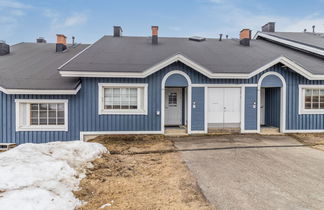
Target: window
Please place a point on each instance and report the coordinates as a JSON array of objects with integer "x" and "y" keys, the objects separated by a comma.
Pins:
[
  {"x": 122, "y": 98},
  {"x": 311, "y": 99},
  {"x": 38, "y": 115},
  {"x": 173, "y": 99}
]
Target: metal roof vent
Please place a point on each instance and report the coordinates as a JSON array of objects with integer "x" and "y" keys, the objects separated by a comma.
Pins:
[{"x": 197, "y": 38}]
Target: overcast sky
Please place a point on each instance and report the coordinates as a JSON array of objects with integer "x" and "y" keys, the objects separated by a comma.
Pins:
[{"x": 88, "y": 20}]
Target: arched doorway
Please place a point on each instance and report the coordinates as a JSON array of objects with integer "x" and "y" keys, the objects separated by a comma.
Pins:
[
  {"x": 272, "y": 101},
  {"x": 175, "y": 98}
]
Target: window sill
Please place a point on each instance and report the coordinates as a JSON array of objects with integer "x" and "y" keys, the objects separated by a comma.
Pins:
[
  {"x": 320, "y": 111},
  {"x": 122, "y": 112},
  {"x": 36, "y": 128}
]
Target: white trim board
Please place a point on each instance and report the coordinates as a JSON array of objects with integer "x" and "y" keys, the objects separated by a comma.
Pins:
[
  {"x": 39, "y": 92},
  {"x": 178, "y": 57},
  {"x": 84, "y": 133},
  {"x": 291, "y": 43}
]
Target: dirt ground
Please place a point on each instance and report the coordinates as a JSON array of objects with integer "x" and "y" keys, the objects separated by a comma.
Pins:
[
  {"x": 126, "y": 180},
  {"x": 315, "y": 140}
]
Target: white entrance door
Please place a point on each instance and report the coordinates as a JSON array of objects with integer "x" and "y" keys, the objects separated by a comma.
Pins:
[
  {"x": 224, "y": 106},
  {"x": 173, "y": 106},
  {"x": 262, "y": 106}
]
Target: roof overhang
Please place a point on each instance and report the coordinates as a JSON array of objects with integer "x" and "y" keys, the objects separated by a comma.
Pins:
[
  {"x": 290, "y": 43},
  {"x": 178, "y": 57},
  {"x": 39, "y": 92}
]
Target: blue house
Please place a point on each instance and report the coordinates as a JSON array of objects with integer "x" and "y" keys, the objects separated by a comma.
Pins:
[{"x": 144, "y": 85}]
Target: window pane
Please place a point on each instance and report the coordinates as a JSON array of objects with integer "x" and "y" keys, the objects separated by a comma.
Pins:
[
  {"x": 34, "y": 114},
  {"x": 52, "y": 114},
  {"x": 308, "y": 92},
  {"x": 60, "y": 121},
  {"x": 52, "y": 107},
  {"x": 173, "y": 99},
  {"x": 116, "y": 98},
  {"x": 34, "y": 106},
  {"x": 308, "y": 106},
  {"x": 52, "y": 121},
  {"x": 321, "y": 95},
  {"x": 321, "y": 105},
  {"x": 60, "y": 107},
  {"x": 315, "y": 105},
  {"x": 43, "y": 114},
  {"x": 60, "y": 114},
  {"x": 34, "y": 121},
  {"x": 108, "y": 92},
  {"x": 125, "y": 98},
  {"x": 43, "y": 121},
  {"x": 308, "y": 99},
  {"x": 43, "y": 106}
]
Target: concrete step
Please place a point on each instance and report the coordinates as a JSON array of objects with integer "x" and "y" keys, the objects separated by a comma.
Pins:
[
  {"x": 175, "y": 132},
  {"x": 270, "y": 131}
]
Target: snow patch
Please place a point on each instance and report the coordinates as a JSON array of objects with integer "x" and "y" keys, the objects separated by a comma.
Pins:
[{"x": 43, "y": 176}]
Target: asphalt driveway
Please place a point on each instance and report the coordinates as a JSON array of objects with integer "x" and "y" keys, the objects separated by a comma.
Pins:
[{"x": 256, "y": 172}]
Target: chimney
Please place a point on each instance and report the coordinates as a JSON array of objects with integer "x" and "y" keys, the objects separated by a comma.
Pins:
[
  {"x": 40, "y": 40},
  {"x": 155, "y": 34},
  {"x": 269, "y": 27},
  {"x": 118, "y": 31},
  {"x": 60, "y": 42},
  {"x": 4, "y": 48},
  {"x": 245, "y": 37}
]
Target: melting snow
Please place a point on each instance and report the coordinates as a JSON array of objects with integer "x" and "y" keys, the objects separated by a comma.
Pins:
[{"x": 43, "y": 176}]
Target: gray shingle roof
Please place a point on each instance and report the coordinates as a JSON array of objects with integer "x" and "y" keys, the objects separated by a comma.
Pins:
[
  {"x": 34, "y": 66},
  {"x": 311, "y": 39},
  {"x": 136, "y": 54}
]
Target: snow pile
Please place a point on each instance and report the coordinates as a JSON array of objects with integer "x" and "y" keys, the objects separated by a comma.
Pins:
[{"x": 43, "y": 176}]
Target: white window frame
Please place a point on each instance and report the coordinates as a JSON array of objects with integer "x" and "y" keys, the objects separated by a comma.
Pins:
[
  {"x": 40, "y": 127},
  {"x": 137, "y": 111},
  {"x": 302, "y": 109}
]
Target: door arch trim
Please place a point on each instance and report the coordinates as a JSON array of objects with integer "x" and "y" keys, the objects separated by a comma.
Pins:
[{"x": 163, "y": 98}]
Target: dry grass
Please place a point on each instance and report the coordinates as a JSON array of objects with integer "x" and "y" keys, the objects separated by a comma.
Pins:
[
  {"x": 316, "y": 140},
  {"x": 142, "y": 181}
]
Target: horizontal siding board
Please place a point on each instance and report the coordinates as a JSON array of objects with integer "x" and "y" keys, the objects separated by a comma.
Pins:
[{"x": 83, "y": 107}]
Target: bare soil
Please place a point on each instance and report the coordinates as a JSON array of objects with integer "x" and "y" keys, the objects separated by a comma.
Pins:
[
  {"x": 315, "y": 140},
  {"x": 126, "y": 179}
]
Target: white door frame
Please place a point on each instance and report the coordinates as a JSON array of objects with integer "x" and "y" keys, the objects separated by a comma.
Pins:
[
  {"x": 282, "y": 101},
  {"x": 163, "y": 98}
]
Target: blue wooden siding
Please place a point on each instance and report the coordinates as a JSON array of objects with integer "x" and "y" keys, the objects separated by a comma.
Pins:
[
  {"x": 198, "y": 109},
  {"x": 250, "y": 110},
  {"x": 176, "y": 80},
  {"x": 83, "y": 107},
  {"x": 271, "y": 81},
  {"x": 272, "y": 107}
]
